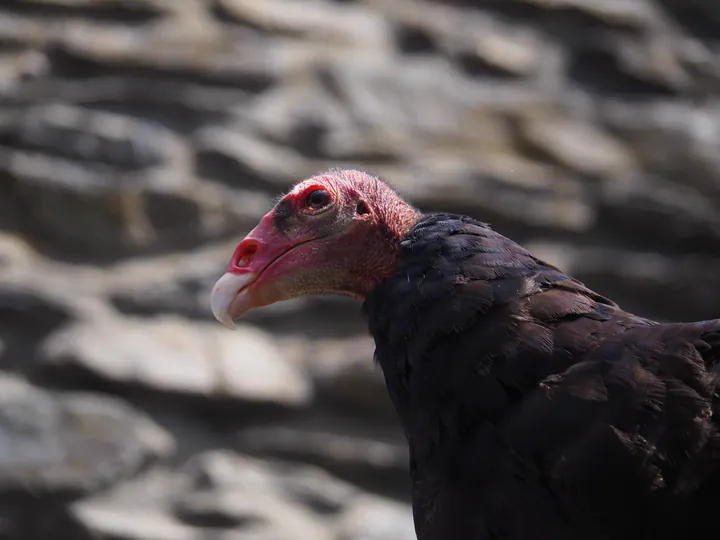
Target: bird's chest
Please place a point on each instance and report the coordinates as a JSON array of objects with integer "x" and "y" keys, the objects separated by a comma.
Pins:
[
  {"x": 447, "y": 420},
  {"x": 472, "y": 486},
  {"x": 466, "y": 480}
]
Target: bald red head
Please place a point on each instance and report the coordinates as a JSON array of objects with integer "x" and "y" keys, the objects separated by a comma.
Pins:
[{"x": 334, "y": 233}]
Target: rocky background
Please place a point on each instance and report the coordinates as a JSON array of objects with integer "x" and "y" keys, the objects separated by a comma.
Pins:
[{"x": 140, "y": 139}]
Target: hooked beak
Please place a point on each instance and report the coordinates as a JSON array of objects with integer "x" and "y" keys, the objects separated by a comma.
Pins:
[
  {"x": 234, "y": 294},
  {"x": 230, "y": 299},
  {"x": 267, "y": 267}
]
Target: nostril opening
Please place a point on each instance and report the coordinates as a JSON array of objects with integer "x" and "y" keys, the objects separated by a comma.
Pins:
[
  {"x": 247, "y": 256},
  {"x": 244, "y": 254}
]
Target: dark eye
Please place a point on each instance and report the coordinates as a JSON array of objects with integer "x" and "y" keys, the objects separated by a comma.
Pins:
[{"x": 317, "y": 199}]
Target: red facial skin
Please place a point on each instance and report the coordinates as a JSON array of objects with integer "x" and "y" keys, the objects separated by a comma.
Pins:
[{"x": 345, "y": 247}]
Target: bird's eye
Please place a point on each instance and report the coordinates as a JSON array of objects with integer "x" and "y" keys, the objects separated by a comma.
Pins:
[{"x": 317, "y": 199}]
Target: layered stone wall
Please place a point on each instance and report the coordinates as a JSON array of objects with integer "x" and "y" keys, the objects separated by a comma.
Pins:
[{"x": 139, "y": 140}]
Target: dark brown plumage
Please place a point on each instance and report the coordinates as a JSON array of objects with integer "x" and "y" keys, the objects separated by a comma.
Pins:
[{"x": 534, "y": 408}]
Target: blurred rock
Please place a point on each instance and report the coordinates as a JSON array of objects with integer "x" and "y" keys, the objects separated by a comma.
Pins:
[
  {"x": 324, "y": 22},
  {"x": 170, "y": 355},
  {"x": 236, "y": 478},
  {"x": 108, "y": 523},
  {"x": 303, "y": 115},
  {"x": 370, "y": 454},
  {"x": 226, "y": 471},
  {"x": 125, "y": 10},
  {"x": 478, "y": 44},
  {"x": 576, "y": 145},
  {"x": 71, "y": 443},
  {"x": 187, "y": 47},
  {"x": 141, "y": 139},
  {"x": 234, "y": 497},
  {"x": 507, "y": 187},
  {"x": 317, "y": 490},
  {"x": 687, "y": 221},
  {"x": 75, "y": 133},
  {"x": 27, "y": 316},
  {"x": 635, "y": 277},
  {"x": 252, "y": 497},
  {"x": 135, "y": 510},
  {"x": 93, "y": 211},
  {"x": 688, "y": 134},
  {"x": 185, "y": 296},
  {"x": 240, "y": 159},
  {"x": 378, "y": 519},
  {"x": 424, "y": 97},
  {"x": 181, "y": 104},
  {"x": 347, "y": 375}
]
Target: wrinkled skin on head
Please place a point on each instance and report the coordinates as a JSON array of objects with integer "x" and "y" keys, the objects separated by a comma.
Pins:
[{"x": 334, "y": 233}]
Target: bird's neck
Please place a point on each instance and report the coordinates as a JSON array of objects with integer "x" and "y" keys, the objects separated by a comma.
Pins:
[
  {"x": 380, "y": 250},
  {"x": 413, "y": 316},
  {"x": 398, "y": 218}
]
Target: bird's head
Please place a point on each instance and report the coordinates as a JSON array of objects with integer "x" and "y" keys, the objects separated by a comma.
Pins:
[{"x": 334, "y": 233}]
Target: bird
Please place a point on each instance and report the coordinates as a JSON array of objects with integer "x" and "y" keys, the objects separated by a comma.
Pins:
[{"x": 533, "y": 407}]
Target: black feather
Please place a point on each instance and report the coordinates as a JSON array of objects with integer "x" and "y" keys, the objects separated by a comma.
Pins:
[{"x": 536, "y": 408}]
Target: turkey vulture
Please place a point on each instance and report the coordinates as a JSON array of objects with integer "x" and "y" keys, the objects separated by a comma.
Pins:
[{"x": 533, "y": 407}]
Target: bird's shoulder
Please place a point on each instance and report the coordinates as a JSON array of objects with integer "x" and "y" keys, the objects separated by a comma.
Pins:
[
  {"x": 633, "y": 421},
  {"x": 468, "y": 308},
  {"x": 455, "y": 270},
  {"x": 514, "y": 360}
]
